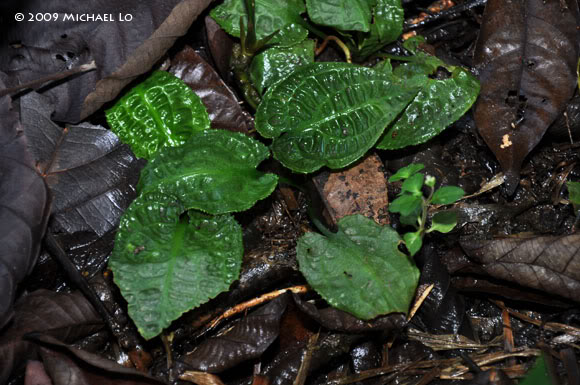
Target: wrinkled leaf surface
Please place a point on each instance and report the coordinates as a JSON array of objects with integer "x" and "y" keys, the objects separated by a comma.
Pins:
[
  {"x": 159, "y": 112},
  {"x": 68, "y": 365},
  {"x": 122, "y": 50},
  {"x": 438, "y": 104},
  {"x": 275, "y": 63},
  {"x": 271, "y": 15},
  {"x": 548, "y": 263},
  {"x": 65, "y": 316},
  {"x": 92, "y": 178},
  {"x": 221, "y": 103},
  {"x": 248, "y": 339},
  {"x": 344, "y": 15},
  {"x": 24, "y": 206},
  {"x": 330, "y": 114},
  {"x": 386, "y": 27},
  {"x": 214, "y": 172},
  {"x": 359, "y": 269},
  {"x": 166, "y": 265},
  {"x": 526, "y": 55}
]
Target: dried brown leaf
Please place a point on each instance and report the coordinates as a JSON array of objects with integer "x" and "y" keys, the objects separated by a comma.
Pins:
[
  {"x": 526, "y": 56},
  {"x": 548, "y": 263}
]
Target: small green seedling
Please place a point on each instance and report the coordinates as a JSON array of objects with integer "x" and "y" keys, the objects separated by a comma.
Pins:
[
  {"x": 412, "y": 204},
  {"x": 574, "y": 195}
]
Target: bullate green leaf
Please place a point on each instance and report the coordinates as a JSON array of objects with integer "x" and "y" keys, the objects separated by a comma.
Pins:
[
  {"x": 331, "y": 114},
  {"x": 271, "y": 16},
  {"x": 166, "y": 266},
  {"x": 214, "y": 172},
  {"x": 275, "y": 63},
  {"x": 160, "y": 112},
  {"x": 344, "y": 15},
  {"x": 386, "y": 27},
  {"x": 438, "y": 104},
  {"x": 359, "y": 269}
]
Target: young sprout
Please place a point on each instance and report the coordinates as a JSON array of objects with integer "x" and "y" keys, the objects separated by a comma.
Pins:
[{"x": 413, "y": 205}]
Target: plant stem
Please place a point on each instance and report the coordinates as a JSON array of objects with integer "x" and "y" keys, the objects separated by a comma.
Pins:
[{"x": 339, "y": 43}]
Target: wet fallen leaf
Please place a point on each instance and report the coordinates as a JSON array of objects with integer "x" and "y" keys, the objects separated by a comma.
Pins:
[
  {"x": 124, "y": 49},
  {"x": 24, "y": 205},
  {"x": 547, "y": 263},
  {"x": 338, "y": 320},
  {"x": 71, "y": 366},
  {"x": 221, "y": 103},
  {"x": 248, "y": 339},
  {"x": 526, "y": 55},
  {"x": 65, "y": 316},
  {"x": 443, "y": 310},
  {"x": 91, "y": 176}
]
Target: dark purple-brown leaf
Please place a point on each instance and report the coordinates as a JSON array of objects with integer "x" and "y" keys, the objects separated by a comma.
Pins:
[
  {"x": 248, "y": 339},
  {"x": 125, "y": 42},
  {"x": 65, "y": 316},
  {"x": 71, "y": 366},
  {"x": 549, "y": 263},
  {"x": 221, "y": 103},
  {"x": 339, "y": 320},
  {"x": 91, "y": 176},
  {"x": 24, "y": 206},
  {"x": 526, "y": 55}
]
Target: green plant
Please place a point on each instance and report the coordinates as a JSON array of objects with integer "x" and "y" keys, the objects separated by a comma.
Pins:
[
  {"x": 178, "y": 246},
  {"x": 413, "y": 205},
  {"x": 574, "y": 195}
]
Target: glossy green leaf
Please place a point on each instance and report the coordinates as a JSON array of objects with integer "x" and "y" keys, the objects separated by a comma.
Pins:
[
  {"x": 447, "y": 195},
  {"x": 344, "y": 15},
  {"x": 386, "y": 27},
  {"x": 359, "y": 269},
  {"x": 538, "y": 375},
  {"x": 165, "y": 266},
  {"x": 275, "y": 63},
  {"x": 405, "y": 204},
  {"x": 436, "y": 106},
  {"x": 574, "y": 193},
  {"x": 406, "y": 172},
  {"x": 412, "y": 218},
  {"x": 413, "y": 184},
  {"x": 443, "y": 221},
  {"x": 271, "y": 16},
  {"x": 160, "y": 112},
  {"x": 330, "y": 114},
  {"x": 413, "y": 241},
  {"x": 214, "y": 172}
]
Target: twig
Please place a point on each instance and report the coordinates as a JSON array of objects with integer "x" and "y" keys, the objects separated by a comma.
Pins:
[
  {"x": 251, "y": 303},
  {"x": 34, "y": 84}
]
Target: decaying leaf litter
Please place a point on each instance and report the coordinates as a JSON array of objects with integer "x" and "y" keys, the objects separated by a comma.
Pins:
[{"x": 341, "y": 349}]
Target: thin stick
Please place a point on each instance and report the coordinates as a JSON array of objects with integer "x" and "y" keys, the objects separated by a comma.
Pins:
[
  {"x": 35, "y": 84},
  {"x": 422, "y": 293},
  {"x": 255, "y": 302}
]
